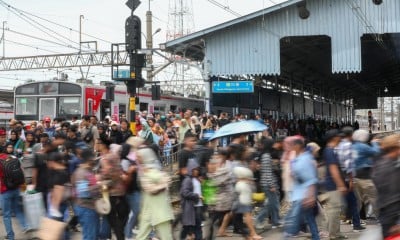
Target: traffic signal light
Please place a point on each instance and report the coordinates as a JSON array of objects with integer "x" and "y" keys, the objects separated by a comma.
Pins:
[
  {"x": 155, "y": 92},
  {"x": 133, "y": 31},
  {"x": 110, "y": 93}
]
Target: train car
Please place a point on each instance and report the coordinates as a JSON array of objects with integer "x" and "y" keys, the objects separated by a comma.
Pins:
[
  {"x": 59, "y": 99},
  {"x": 6, "y": 113}
]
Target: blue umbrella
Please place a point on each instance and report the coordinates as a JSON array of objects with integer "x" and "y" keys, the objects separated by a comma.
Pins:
[{"x": 240, "y": 127}]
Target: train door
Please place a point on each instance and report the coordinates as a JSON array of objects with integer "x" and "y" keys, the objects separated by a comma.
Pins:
[
  {"x": 105, "y": 109},
  {"x": 90, "y": 107},
  {"x": 47, "y": 107}
]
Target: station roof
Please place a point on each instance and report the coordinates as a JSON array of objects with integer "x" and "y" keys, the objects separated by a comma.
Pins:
[{"x": 334, "y": 53}]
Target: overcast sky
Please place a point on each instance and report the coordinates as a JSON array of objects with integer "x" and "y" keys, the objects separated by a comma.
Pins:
[{"x": 103, "y": 19}]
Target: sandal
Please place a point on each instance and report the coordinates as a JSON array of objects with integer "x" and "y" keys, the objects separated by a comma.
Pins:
[{"x": 224, "y": 235}]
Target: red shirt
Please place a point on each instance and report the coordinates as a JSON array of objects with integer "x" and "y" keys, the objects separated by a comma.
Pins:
[{"x": 3, "y": 187}]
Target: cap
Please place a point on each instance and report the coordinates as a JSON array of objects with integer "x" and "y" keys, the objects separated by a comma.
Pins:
[
  {"x": 347, "y": 131},
  {"x": 47, "y": 119},
  {"x": 3, "y": 132},
  {"x": 331, "y": 134},
  {"x": 114, "y": 123}
]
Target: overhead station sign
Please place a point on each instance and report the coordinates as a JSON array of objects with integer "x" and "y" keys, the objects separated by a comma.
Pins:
[
  {"x": 122, "y": 74},
  {"x": 232, "y": 87}
]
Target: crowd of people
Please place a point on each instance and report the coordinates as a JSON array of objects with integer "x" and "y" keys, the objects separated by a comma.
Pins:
[{"x": 113, "y": 181}]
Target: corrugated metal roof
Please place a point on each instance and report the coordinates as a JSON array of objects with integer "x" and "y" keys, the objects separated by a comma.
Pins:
[{"x": 250, "y": 44}]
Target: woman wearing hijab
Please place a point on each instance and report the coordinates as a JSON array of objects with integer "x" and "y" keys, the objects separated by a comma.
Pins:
[
  {"x": 195, "y": 126},
  {"x": 146, "y": 133},
  {"x": 154, "y": 185},
  {"x": 30, "y": 139},
  {"x": 17, "y": 142},
  {"x": 183, "y": 129}
]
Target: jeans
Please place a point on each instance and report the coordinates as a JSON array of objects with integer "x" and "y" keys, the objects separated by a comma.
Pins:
[
  {"x": 105, "y": 229},
  {"x": 271, "y": 208},
  {"x": 89, "y": 220},
  {"x": 12, "y": 204},
  {"x": 352, "y": 207},
  {"x": 295, "y": 217},
  {"x": 134, "y": 204}
]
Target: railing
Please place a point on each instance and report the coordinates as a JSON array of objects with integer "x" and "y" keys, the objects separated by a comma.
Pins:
[{"x": 169, "y": 157}]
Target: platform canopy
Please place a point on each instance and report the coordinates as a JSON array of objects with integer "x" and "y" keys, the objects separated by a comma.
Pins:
[{"x": 342, "y": 49}]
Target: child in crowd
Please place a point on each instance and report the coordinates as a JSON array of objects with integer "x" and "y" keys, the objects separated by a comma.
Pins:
[{"x": 191, "y": 203}]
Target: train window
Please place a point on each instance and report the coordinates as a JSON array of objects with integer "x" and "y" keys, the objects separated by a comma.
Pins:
[
  {"x": 30, "y": 89},
  {"x": 26, "y": 106},
  {"x": 67, "y": 88},
  {"x": 159, "y": 109},
  {"x": 143, "y": 106},
  {"x": 69, "y": 106},
  {"x": 48, "y": 88}
]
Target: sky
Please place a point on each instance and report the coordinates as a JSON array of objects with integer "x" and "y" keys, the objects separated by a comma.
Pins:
[{"x": 27, "y": 24}]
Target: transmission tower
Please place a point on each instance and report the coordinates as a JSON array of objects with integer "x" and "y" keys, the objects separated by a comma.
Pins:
[{"x": 184, "y": 79}]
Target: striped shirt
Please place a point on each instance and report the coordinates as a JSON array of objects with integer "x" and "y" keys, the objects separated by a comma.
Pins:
[
  {"x": 345, "y": 155},
  {"x": 267, "y": 176}
]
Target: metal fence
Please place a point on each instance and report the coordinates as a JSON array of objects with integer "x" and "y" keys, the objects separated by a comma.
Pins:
[{"x": 169, "y": 157}]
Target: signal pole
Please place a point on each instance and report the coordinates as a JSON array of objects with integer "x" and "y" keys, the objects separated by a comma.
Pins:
[
  {"x": 133, "y": 41},
  {"x": 149, "y": 42}
]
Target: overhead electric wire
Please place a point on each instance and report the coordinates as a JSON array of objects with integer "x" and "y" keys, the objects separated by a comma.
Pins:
[
  {"x": 41, "y": 39},
  {"x": 31, "y": 46},
  {"x": 57, "y": 24},
  {"x": 226, "y": 8},
  {"x": 23, "y": 17}
]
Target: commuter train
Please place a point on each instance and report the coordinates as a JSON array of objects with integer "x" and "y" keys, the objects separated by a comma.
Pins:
[
  {"x": 6, "y": 113},
  {"x": 60, "y": 99}
]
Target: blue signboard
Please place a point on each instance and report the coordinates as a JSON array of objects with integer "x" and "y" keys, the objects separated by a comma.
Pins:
[
  {"x": 232, "y": 87},
  {"x": 121, "y": 73}
]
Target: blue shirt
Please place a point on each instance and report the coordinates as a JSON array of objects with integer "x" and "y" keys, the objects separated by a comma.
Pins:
[
  {"x": 330, "y": 159},
  {"x": 363, "y": 154},
  {"x": 304, "y": 173}
]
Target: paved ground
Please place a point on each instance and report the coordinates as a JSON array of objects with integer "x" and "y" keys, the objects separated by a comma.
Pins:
[{"x": 271, "y": 234}]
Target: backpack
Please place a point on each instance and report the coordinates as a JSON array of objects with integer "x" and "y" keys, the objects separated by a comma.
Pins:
[
  {"x": 13, "y": 174},
  {"x": 89, "y": 135}
]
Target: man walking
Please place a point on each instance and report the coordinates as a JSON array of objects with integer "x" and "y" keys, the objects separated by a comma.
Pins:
[{"x": 334, "y": 184}]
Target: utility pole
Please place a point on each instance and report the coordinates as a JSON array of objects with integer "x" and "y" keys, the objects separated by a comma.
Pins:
[
  {"x": 80, "y": 32},
  {"x": 4, "y": 39},
  {"x": 149, "y": 43}
]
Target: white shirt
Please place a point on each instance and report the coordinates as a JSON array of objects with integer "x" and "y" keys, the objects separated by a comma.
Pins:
[{"x": 197, "y": 190}]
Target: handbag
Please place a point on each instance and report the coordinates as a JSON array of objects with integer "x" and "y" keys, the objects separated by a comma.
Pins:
[
  {"x": 34, "y": 209},
  {"x": 103, "y": 205},
  {"x": 51, "y": 229},
  {"x": 258, "y": 197}
]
